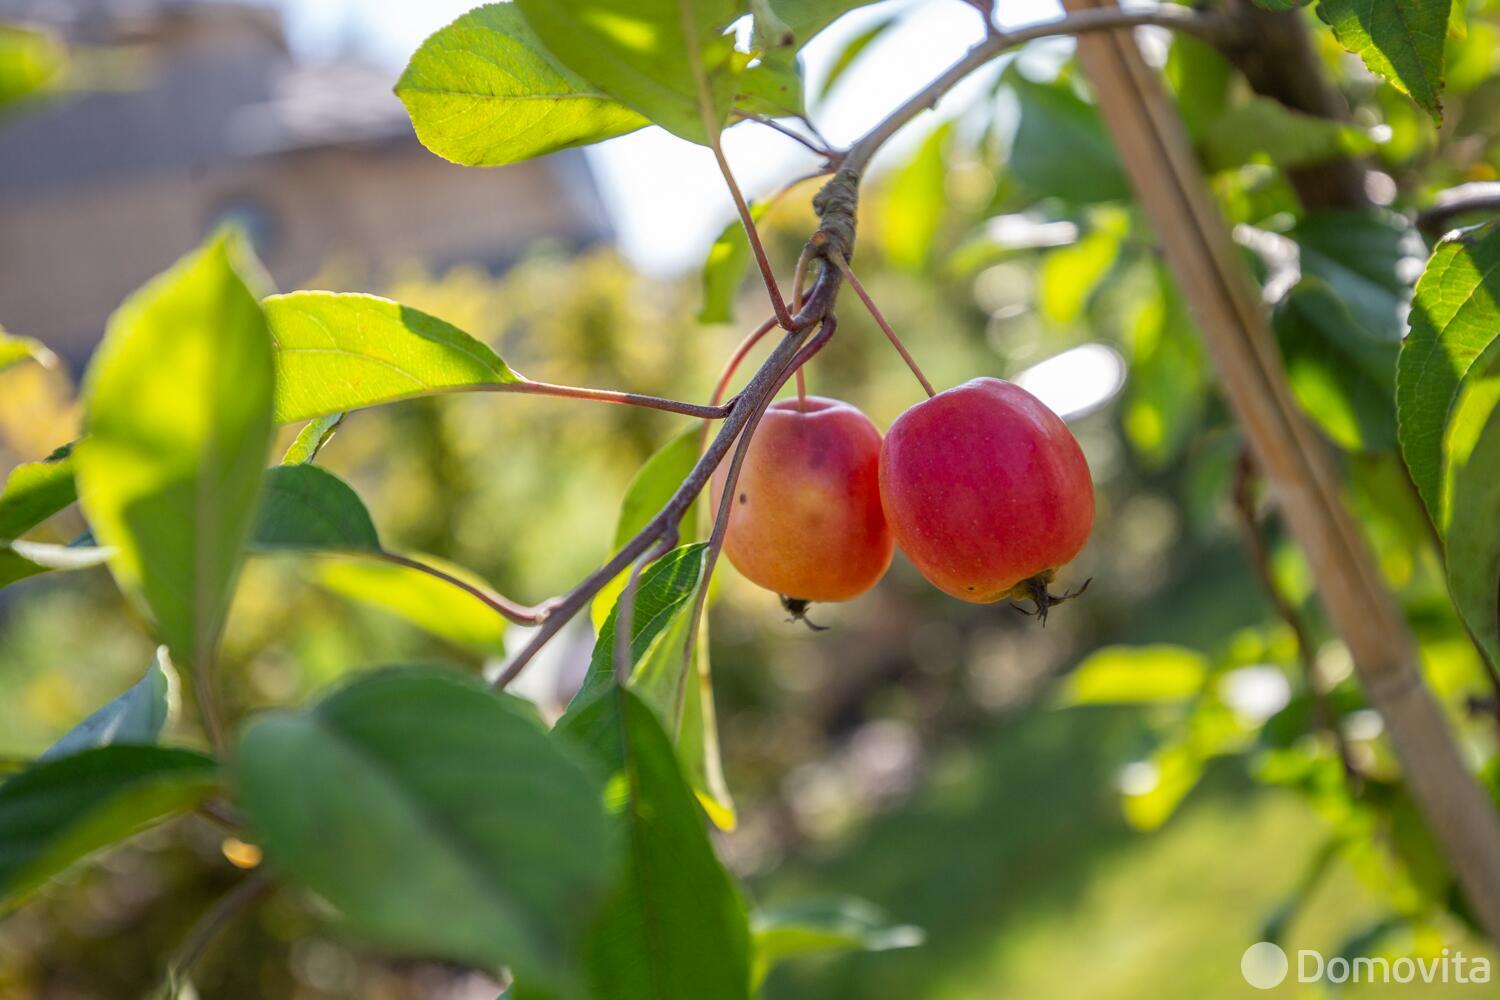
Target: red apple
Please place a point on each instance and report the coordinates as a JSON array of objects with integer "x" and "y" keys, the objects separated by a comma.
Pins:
[
  {"x": 806, "y": 520},
  {"x": 987, "y": 491}
]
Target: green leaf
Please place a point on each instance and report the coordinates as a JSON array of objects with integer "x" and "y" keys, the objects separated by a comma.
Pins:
[
  {"x": 675, "y": 927},
  {"x": 1343, "y": 376},
  {"x": 653, "y": 485},
  {"x": 429, "y": 602},
  {"x": 821, "y": 926},
  {"x": 673, "y": 680},
  {"x": 1133, "y": 675},
  {"x": 1454, "y": 317},
  {"x": 1263, "y": 126},
  {"x": 1360, "y": 255},
  {"x": 344, "y": 351},
  {"x": 915, "y": 201},
  {"x": 483, "y": 92},
  {"x": 1174, "y": 771},
  {"x": 1400, "y": 40},
  {"x": 648, "y": 54},
  {"x": 14, "y": 350},
  {"x": 1164, "y": 396},
  {"x": 135, "y": 718},
  {"x": 1199, "y": 76},
  {"x": 20, "y": 560},
  {"x": 1280, "y": 5},
  {"x": 305, "y": 507},
  {"x": 435, "y": 815},
  {"x": 58, "y": 812},
  {"x": 29, "y": 60},
  {"x": 724, "y": 271},
  {"x": 851, "y": 52},
  {"x": 1060, "y": 147},
  {"x": 1471, "y": 501},
  {"x": 772, "y": 87},
  {"x": 1069, "y": 275},
  {"x": 806, "y": 18},
  {"x": 311, "y": 439},
  {"x": 178, "y": 426},
  {"x": 35, "y": 491}
]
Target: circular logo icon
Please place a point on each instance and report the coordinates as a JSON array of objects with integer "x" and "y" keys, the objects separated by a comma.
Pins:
[{"x": 1263, "y": 965}]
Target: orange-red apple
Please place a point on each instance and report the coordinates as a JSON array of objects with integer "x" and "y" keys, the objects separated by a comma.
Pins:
[{"x": 806, "y": 518}]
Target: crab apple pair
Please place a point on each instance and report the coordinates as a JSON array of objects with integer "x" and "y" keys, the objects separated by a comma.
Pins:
[{"x": 982, "y": 486}]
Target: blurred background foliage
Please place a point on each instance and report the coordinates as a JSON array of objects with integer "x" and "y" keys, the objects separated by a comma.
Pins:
[{"x": 1111, "y": 807}]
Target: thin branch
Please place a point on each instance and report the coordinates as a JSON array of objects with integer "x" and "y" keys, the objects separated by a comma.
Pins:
[
  {"x": 752, "y": 233},
  {"x": 213, "y": 921},
  {"x": 530, "y": 388},
  {"x": 1466, "y": 199},
  {"x": 1210, "y": 27},
  {"x": 880, "y": 320},
  {"x": 775, "y": 125},
  {"x": 521, "y": 614}
]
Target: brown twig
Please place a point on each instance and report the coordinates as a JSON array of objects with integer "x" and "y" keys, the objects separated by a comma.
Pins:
[
  {"x": 521, "y": 614},
  {"x": 531, "y": 388},
  {"x": 1466, "y": 199}
]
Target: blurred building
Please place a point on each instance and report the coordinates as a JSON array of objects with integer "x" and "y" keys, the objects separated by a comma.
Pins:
[{"x": 196, "y": 112}]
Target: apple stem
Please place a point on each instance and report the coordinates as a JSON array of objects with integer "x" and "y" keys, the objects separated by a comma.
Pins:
[{"x": 864, "y": 296}]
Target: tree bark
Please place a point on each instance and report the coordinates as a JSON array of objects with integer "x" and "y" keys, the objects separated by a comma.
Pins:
[{"x": 1232, "y": 319}]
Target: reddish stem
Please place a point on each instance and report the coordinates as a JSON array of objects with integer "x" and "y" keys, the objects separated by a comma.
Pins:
[{"x": 864, "y": 296}]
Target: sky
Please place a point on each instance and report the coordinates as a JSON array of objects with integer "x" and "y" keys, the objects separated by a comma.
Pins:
[{"x": 664, "y": 194}]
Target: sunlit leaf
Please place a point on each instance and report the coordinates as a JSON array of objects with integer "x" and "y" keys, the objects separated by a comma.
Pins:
[
  {"x": 1454, "y": 317},
  {"x": 729, "y": 261},
  {"x": 648, "y": 492},
  {"x": 806, "y": 18},
  {"x": 135, "y": 718},
  {"x": 1060, "y": 146},
  {"x": 1470, "y": 493},
  {"x": 29, "y": 60},
  {"x": 14, "y": 350},
  {"x": 58, "y": 812},
  {"x": 337, "y": 352},
  {"x": 822, "y": 926},
  {"x": 772, "y": 87},
  {"x": 1400, "y": 40},
  {"x": 1166, "y": 386},
  {"x": 483, "y": 91},
  {"x": 1070, "y": 275},
  {"x": 435, "y": 815},
  {"x": 1129, "y": 675},
  {"x": 178, "y": 426},
  {"x": 675, "y": 927},
  {"x": 1343, "y": 375},
  {"x": 1159, "y": 785},
  {"x": 311, "y": 439},
  {"x": 35, "y": 491},
  {"x": 914, "y": 202},
  {"x": 420, "y": 598},
  {"x": 648, "y": 54}
]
